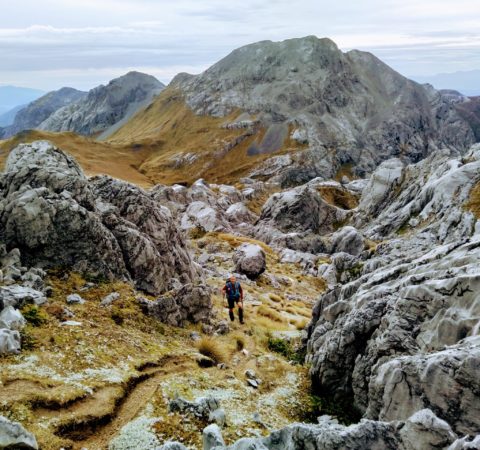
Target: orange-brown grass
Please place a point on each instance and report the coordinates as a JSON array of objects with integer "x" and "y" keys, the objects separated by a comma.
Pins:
[
  {"x": 271, "y": 313},
  {"x": 473, "y": 203},
  {"x": 118, "y": 161},
  {"x": 338, "y": 197},
  {"x": 170, "y": 128},
  {"x": 212, "y": 348}
]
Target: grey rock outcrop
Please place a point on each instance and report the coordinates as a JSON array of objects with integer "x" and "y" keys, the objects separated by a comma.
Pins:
[
  {"x": 105, "y": 227},
  {"x": 105, "y": 107},
  {"x": 212, "y": 437},
  {"x": 200, "y": 408},
  {"x": 402, "y": 333},
  {"x": 250, "y": 260},
  {"x": 188, "y": 303},
  {"x": 13, "y": 435},
  {"x": 9, "y": 341},
  {"x": 421, "y": 431},
  {"x": 32, "y": 115}
]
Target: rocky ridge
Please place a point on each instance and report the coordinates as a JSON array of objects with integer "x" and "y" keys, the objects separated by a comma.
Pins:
[
  {"x": 32, "y": 115},
  {"x": 105, "y": 107}
]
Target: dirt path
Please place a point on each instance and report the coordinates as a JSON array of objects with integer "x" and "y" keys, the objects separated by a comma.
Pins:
[
  {"x": 91, "y": 422},
  {"x": 132, "y": 405}
]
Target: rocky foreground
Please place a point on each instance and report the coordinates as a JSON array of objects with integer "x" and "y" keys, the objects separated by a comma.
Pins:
[{"x": 392, "y": 261}]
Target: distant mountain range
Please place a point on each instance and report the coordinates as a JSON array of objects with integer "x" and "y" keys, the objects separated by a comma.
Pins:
[
  {"x": 100, "y": 110},
  {"x": 466, "y": 82},
  {"x": 13, "y": 96}
]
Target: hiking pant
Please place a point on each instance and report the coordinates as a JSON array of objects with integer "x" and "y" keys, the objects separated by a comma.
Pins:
[{"x": 231, "y": 307}]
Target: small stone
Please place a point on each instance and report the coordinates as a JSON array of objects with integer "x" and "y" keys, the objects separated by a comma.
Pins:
[
  {"x": 109, "y": 299},
  {"x": 205, "y": 362},
  {"x": 75, "y": 299},
  {"x": 71, "y": 323},
  {"x": 218, "y": 416}
]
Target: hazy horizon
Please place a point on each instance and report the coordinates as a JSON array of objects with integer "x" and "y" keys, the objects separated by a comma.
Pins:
[{"x": 86, "y": 43}]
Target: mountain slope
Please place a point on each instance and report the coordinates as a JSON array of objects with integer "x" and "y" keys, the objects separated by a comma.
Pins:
[
  {"x": 343, "y": 108},
  {"x": 37, "y": 111},
  {"x": 104, "y": 106},
  {"x": 8, "y": 117}
]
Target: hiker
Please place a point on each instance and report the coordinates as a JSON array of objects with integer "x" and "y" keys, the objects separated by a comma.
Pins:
[{"x": 234, "y": 293}]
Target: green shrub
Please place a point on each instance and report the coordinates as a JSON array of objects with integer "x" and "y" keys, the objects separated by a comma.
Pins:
[
  {"x": 286, "y": 349},
  {"x": 34, "y": 315}
]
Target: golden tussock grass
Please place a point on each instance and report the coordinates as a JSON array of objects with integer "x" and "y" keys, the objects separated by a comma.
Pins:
[
  {"x": 338, "y": 197},
  {"x": 212, "y": 348},
  {"x": 271, "y": 313},
  {"x": 473, "y": 203},
  {"x": 95, "y": 158}
]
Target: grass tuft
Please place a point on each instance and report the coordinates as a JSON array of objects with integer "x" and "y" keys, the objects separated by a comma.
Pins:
[{"x": 210, "y": 347}]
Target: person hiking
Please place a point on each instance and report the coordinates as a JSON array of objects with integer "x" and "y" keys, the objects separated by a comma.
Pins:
[{"x": 234, "y": 293}]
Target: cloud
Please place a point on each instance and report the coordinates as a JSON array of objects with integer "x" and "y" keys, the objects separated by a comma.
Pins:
[{"x": 56, "y": 42}]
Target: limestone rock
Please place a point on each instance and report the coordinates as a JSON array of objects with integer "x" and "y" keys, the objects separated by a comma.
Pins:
[
  {"x": 102, "y": 227},
  {"x": 12, "y": 319},
  {"x": 18, "y": 296},
  {"x": 200, "y": 408},
  {"x": 423, "y": 431},
  {"x": 75, "y": 299},
  {"x": 347, "y": 240},
  {"x": 13, "y": 435},
  {"x": 250, "y": 260},
  {"x": 192, "y": 303},
  {"x": 109, "y": 299},
  {"x": 212, "y": 437},
  {"x": 9, "y": 343}
]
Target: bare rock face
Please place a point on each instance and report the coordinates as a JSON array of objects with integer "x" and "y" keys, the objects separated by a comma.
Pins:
[
  {"x": 13, "y": 435},
  {"x": 250, "y": 260},
  {"x": 56, "y": 216},
  {"x": 401, "y": 333}
]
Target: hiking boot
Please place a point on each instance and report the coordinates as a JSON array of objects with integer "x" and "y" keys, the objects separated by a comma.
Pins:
[{"x": 232, "y": 317}]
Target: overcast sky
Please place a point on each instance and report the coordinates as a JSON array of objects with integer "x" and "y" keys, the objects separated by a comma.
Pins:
[{"x": 81, "y": 43}]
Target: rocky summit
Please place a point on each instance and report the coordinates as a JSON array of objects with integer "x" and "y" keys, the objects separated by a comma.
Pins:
[{"x": 349, "y": 214}]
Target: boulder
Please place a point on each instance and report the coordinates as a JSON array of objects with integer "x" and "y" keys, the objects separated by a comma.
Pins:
[
  {"x": 18, "y": 296},
  {"x": 109, "y": 299},
  {"x": 75, "y": 299},
  {"x": 14, "y": 436},
  {"x": 12, "y": 319},
  {"x": 347, "y": 240},
  {"x": 212, "y": 437},
  {"x": 189, "y": 303},
  {"x": 9, "y": 343},
  {"x": 250, "y": 260},
  {"x": 200, "y": 408},
  {"x": 299, "y": 210}
]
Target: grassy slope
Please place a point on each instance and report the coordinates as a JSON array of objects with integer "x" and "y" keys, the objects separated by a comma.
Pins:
[
  {"x": 129, "y": 361},
  {"x": 94, "y": 157},
  {"x": 171, "y": 129}
]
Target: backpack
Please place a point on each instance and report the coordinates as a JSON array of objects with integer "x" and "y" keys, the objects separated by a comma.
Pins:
[{"x": 233, "y": 290}]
